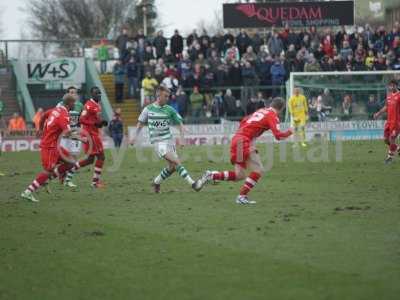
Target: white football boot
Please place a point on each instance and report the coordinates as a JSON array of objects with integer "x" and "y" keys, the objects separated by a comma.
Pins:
[
  {"x": 70, "y": 184},
  {"x": 28, "y": 195},
  {"x": 244, "y": 200},
  {"x": 202, "y": 181}
]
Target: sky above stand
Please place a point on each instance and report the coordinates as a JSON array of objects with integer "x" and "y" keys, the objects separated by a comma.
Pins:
[{"x": 174, "y": 14}]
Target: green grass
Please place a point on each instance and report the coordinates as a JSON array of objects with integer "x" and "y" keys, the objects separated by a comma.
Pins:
[{"x": 319, "y": 231}]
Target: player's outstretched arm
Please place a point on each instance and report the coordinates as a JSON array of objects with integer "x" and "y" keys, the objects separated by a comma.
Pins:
[
  {"x": 306, "y": 107},
  {"x": 272, "y": 124},
  {"x": 289, "y": 107},
  {"x": 43, "y": 119},
  {"x": 142, "y": 121},
  {"x": 383, "y": 110},
  {"x": 181, "y": 140},
  {"x": 101, "y": 124},
  {"x": 279, "y": 135},
  {"x": 75, "y": 135},
  {"x": 139, "y": 128}
]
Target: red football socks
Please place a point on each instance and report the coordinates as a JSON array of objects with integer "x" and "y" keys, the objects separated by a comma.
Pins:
[
  {"x": 250, "y": 183},
  {"x": 226, "y": 175},
  {"x": 98, "y": 168},
  {"x": 40, "y": 180},
  {"x": 392, "y": 149}
]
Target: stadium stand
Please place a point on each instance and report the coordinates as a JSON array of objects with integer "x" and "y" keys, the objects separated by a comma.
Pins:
[
  {"x": 8, "y": 97},
  {"x": 245, "y": 62},
  {"x": 130, "y": 109},
  {"x": 249, "y": 63}
]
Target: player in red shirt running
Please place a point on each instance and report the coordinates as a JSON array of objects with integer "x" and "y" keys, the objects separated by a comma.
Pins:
[
  {"x": 244, "y": 155},
  {"x": 392, "y": 125},
  {"x": 92, "y": 123},
  {"x": 54, "y": 158}
]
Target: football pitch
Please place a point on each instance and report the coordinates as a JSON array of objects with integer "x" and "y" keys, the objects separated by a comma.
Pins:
[{"x": 319, "y": 230}]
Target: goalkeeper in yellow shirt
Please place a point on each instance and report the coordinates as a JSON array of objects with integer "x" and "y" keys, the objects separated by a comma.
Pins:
[{"x": 298, "y": 109}]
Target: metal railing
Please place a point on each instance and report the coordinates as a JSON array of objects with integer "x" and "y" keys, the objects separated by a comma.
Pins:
[{"x": 39, "y": 49}]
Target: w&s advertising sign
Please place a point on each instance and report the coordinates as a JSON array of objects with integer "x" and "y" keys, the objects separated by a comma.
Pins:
[{"x": 61, "y": 70}]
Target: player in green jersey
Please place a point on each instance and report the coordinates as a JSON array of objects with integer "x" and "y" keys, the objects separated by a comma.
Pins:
[
  {"x": 159, "y": 117},
  {"x": 72, "y": 145}
]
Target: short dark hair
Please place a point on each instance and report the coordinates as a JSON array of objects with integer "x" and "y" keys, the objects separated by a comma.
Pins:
[
  {"x": 94, "y": 88},
  {"x": 393, "y": 81},
  {"x": 278, "y": 103},
  {"x": 71, "y": 88}
]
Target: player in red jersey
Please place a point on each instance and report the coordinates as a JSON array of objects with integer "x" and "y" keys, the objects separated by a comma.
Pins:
[
  {"x": 244, "y": 155},
  {"x": 55, "y": 160},
  {"x": 392, "y": 125},
  {"x": 92, "y": 123}
]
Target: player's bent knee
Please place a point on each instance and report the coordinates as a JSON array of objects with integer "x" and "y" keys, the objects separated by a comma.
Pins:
[
  {"x": 90, "y": 159},
  {"x": 101, "y": 156},
  {"x": 48, "y": 172},
  {"x": 172, "y": 161},
  {"x": 172, "y": 168},
  {"x": 240, "y": 175},
  {"x": 260, "y": 170}
]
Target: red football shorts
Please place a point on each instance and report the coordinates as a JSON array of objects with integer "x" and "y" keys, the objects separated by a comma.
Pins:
[
  {"x": 390, "y": 131},
  {"x": 51, "y": 157},
  {"x": 240, "y": 150},
  {"x": 94, "y": 145}
]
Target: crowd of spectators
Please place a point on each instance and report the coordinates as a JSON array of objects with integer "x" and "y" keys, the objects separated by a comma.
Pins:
[
  {"x": 208, "y": 65},
  {"x": 325, "y": 107}
]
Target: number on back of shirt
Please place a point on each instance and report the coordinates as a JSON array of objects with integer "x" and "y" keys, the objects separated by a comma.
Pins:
[{"x": 255, "y": 117}]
